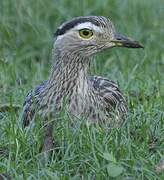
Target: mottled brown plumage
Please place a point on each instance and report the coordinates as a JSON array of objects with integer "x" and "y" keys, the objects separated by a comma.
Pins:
[{"x": 91, "y": 97}]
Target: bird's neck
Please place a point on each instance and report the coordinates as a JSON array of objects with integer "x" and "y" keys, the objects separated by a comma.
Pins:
[{"x": 69, "y": 72}]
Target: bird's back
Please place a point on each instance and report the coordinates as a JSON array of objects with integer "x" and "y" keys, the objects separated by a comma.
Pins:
[
  {"x": 102, "y": 101},
  {"x": 31, "y": 103},
  {"x": 111, "y": 101}
]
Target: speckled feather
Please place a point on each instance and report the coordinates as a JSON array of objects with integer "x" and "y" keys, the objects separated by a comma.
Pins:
[
  {"x": 108, "y": 95},
  {"x": 95, "y": 98}
]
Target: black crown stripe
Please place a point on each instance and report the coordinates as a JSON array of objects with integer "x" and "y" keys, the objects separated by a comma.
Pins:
[{"x": 73, "y": 23}]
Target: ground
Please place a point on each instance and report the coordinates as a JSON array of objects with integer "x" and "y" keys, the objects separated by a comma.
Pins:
[{"x": 83, "y": 151}]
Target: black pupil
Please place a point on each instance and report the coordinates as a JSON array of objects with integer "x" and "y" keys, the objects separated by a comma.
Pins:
[{"x": 85, "y": 33}]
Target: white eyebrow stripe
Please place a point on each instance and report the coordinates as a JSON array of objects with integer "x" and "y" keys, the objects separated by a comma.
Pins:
[
  {"x": 85, "y": 25},
  {"x": 88, "y": 25}
]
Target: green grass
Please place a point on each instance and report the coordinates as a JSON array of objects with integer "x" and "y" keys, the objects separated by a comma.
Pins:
[{"x": 83, "y": 151}]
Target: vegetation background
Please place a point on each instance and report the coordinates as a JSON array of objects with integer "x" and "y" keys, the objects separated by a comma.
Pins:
[{"x": 83, "y": 152}]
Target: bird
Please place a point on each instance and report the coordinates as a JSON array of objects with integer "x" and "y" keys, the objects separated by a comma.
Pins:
[{"x": 69, "y": 85}]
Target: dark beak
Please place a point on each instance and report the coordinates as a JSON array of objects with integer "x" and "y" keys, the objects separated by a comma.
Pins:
[{"x": 122, "y": 41}]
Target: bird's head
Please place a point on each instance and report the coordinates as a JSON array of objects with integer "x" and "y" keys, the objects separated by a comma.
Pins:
[{"x": 90, "y": 34}]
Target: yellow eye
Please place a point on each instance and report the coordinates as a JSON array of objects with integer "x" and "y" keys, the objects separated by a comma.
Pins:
[{"x": 86, "y": 33}]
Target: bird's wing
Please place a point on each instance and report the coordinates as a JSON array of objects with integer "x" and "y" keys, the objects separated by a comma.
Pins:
[
  {"x": 30, "y": 105},
  {"x": 110, "y": 94}
]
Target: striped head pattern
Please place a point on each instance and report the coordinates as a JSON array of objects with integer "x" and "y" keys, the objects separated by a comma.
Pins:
[{"x": 90, "y": 34}]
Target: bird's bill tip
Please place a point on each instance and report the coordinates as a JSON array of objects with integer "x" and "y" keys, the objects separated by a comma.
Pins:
[{"x": 122, "y": 41}]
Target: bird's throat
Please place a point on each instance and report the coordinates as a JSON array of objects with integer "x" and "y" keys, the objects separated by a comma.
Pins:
[{"x": 69, "y": 74}]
